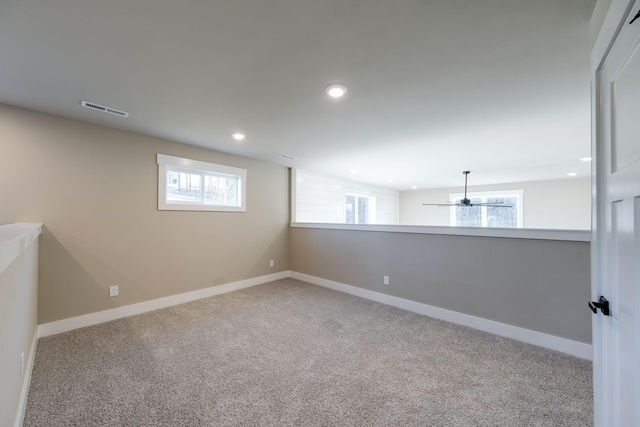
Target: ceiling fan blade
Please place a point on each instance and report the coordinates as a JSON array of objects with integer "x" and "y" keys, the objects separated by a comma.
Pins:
[
  {"x": 489, "y": 204},
  {"x": 454, "y": 205},
  {"x": 466, "y": 203}
]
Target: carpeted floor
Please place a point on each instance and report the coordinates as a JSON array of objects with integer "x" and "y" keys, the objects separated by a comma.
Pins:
[{"x": 290, "y": 353}]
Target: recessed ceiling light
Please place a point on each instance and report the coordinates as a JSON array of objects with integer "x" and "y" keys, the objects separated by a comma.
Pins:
[
  {"x": 238, "y": 136},
  {"x": 389, "y": 180},
  {"x": 586, "y": 159},
  {"x": 415, "y": 187},
  {"x": 353, "y": 171},
  {"x": 336, "y": 90},
  {"x": 572, "y": 174}
]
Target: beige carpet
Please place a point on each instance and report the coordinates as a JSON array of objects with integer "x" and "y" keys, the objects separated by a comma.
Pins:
[{"x": 289, "y": 353}]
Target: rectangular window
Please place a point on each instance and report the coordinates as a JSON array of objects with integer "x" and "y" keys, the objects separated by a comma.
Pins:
[
  {"x": 192, "y": 185},
  {"x": 321, "y": 199},
  {"x": 359, "y": 209},
  {"x": 499, "y": 216}
]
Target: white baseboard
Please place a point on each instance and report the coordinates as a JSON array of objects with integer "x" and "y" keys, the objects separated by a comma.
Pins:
[
  {"x": 64, "y": 325},
  {"x": 552, "y": 342},
  {"x": 26, "y": 382},
  {"x": 574, "y": 348}
]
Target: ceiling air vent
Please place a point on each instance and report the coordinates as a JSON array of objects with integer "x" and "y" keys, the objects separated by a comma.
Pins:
[
  {"x": 284, "y": 156},
  {"x": 104, "y": 109}
]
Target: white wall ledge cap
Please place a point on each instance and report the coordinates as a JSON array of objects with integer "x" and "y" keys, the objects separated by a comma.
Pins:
[
  {"x": 510, "y": 233},
  {"x": 15, "y": 238}
]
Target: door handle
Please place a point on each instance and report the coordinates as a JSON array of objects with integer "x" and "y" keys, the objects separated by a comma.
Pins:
[{"x": 602, "y": 304}]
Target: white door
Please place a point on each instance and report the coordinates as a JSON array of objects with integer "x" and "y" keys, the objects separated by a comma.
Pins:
[{"x": 616, "y": 254}]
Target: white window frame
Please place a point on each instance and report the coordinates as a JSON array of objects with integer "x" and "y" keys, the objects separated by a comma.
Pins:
[
  {"x": 198, "y": 167},
  {"x": 372, "y": 206},
  {"x": 519, "y": 193}
]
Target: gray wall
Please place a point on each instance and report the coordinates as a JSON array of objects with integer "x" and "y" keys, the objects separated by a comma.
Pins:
[
  {"x": 18, "y": 311},
  {"x": 95, "y": 190},
  {"x": 540, "y": 285}
]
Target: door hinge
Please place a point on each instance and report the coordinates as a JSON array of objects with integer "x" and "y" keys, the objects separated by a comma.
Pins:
[{"x": 602, "y": 304}]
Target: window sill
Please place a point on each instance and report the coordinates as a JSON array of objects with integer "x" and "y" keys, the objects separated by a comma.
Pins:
[{"x": 510, "y": 233}]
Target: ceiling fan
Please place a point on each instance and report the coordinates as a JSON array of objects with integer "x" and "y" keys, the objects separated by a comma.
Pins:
[{"x": 465, "y": 202}]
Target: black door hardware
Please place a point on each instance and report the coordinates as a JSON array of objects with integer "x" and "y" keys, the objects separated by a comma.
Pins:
[
  {"x": 635, "y": 17},
  {"x": 602, "y": 304}
]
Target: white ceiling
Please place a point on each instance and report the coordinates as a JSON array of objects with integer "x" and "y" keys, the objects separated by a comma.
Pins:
[{"x": 435, "y": 87}]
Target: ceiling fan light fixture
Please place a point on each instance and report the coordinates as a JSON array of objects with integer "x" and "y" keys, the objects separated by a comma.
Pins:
[{"x": 336, "y": 90}]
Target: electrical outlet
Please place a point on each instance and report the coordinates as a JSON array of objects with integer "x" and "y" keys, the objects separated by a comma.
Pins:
[
  {"x": 22, "y": 365},
  {"x": 113, "y": 291},
  {"x": 271, "y": 263},
  {"x": 385, "y": 280}
]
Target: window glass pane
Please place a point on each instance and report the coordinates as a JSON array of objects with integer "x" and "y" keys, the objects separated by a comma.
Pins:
[
  {"x": 350, "y": 209},
  {"x": 502, "y": 216},
  {"x": 193, "y": 185},
  {"x": 469, "y": 216},
  {"x": 363, "y": 210},
  {"x": 183, "y": 187},
  {"x": 221, "y": 190}
]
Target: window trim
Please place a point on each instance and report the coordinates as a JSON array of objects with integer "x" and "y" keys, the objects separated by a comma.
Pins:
[
  {"x": 165, "y": 161},
  {"x": 519, "y": 193},
  {"x": 371, "y": 217}
]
